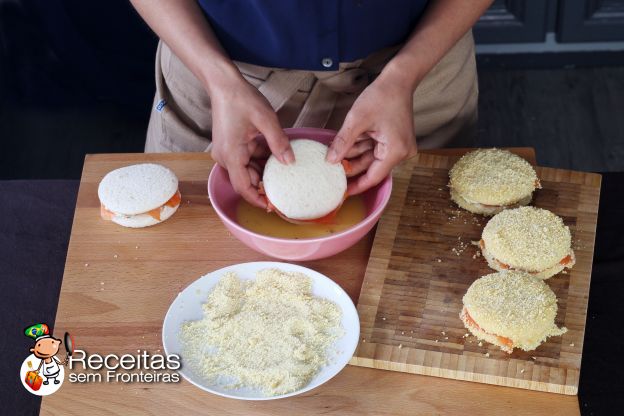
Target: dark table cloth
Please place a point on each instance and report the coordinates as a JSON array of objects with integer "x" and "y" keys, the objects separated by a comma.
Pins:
[{"x": 35, "y": 223}]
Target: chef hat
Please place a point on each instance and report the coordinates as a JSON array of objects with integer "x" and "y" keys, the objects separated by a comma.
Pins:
[{"x": 38, "y": 331}]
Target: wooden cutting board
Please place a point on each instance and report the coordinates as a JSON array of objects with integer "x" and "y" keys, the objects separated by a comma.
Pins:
[
  {"x": 119, "y": 282},
  {"x": 423, "y": 261}
]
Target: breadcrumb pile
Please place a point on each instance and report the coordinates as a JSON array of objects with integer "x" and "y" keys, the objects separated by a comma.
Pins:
[{"x": 269, "y": 334}]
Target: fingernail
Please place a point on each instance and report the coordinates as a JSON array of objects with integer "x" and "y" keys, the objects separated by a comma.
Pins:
[
  {"x": 288, "y": 156},
  {"x": 332, "y": 156}
]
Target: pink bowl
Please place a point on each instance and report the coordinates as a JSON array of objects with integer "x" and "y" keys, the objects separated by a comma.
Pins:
[{"x": 224, "y": 200}]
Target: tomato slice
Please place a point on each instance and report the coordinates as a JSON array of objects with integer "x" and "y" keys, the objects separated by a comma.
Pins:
[
  {"x": 503, "y": 340},
  {"x": 155, "y": 213},
  {"x": 566, "y": 260},
  {"x": 106, "y": 214},
  {"x": 347, "y": 166},
  {"x": 175, "y": 200}
]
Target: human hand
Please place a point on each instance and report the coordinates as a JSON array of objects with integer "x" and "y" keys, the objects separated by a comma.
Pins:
[
  {"x": 239, "y": 114},
  {"x": 377, "y": 134}
]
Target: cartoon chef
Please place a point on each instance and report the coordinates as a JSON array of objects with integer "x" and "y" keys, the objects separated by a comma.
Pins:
[{"x": 45, "y": 348}]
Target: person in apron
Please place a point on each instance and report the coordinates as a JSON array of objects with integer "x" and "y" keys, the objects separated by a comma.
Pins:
[{"x": 383, "y": 74}]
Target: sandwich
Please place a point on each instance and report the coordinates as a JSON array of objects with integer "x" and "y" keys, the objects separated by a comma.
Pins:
[
  {"x": 487, "y": 181},
  {"x": 511, "y": 309},
  {"x": 139, "y": 195},
  {"x": 528, "y": 239},
  {"x": 310, "y": 190}
]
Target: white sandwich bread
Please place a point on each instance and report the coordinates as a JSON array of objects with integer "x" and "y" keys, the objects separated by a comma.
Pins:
[
  {"x": 528, "y": 239},
  {"x": 511, "y": 309},
  {"x": 487, "y": 181},
  {"x": 308, "y": 190},
  {"x": 139, "y": 196}
]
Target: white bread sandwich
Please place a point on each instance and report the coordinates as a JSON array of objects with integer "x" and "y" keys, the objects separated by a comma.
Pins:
[
  {"x": 528, "y": 239},
  {"x": 138, "y": 196},
  {"x": 511, "y": 309},
  {"x": 310, "y": 190},
  {"x": 487, "y": 181}
]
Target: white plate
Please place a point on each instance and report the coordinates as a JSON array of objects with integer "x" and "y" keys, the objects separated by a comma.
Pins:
[{"x": 187, "y": 307}]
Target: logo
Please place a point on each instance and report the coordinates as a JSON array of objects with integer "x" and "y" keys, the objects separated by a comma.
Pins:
[
  {"x": 42, "y": 373},
  {"x": 161, "y": 104}
]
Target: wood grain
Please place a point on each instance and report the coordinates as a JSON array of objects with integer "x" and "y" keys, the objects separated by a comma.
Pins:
[
  {"x": 423, "y": 261},
  {"x": 118, "y": 284}
]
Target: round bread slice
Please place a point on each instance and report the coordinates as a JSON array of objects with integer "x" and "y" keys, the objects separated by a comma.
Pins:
[
  {"x": 487, "y": 181},
  {"x": 144, "y": 220},
  {"x": 139, "y": 195},
  {"x": 308, "y": 189},
  {"x": 528, "y": 239},
  {"x": 511, "y": 309}
]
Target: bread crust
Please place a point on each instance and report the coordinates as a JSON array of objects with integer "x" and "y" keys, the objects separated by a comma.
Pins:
[
  {"x": 477, "y": 208},
  {"x": 144, "y": 220},
  {"x": 544, "y": 274}
]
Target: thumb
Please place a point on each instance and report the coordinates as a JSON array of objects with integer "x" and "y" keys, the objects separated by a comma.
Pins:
[
  {"x": 276, "y": 139},
  {"x": 343, "y": 141}
]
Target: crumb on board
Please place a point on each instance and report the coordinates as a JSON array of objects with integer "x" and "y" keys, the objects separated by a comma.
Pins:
[
  {"x": 443, "y": 333},
  {"x": 522, "y": 371},
  {"x": 115, "y": 256},
  {"x": 572, "y": 344},
  {"x": 400, "y": 346},
  {"x": 534, "y": 358},
  {"x": 487, "y": 354},
  {"x": 480, "y": 344}
]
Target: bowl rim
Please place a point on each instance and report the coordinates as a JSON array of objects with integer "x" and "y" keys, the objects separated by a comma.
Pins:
[{"x": 376, "y": 213}]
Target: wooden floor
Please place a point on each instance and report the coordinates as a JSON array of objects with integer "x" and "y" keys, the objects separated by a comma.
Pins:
[{"x": 574, "y": 118}]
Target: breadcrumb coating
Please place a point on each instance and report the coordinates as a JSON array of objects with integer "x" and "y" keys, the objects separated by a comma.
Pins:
[
  {"x": 493, "y": 177},
  {"x": 514, "y": 305},
  {"x": 528, "y": 239}
]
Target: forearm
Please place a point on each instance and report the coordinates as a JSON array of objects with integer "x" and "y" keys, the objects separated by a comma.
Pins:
[
  {"x": 441, "y": 27},
  {"x": 183, "y": 27}
]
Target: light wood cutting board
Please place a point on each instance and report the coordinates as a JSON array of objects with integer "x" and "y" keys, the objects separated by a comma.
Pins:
[
  {"x": 422, "y": 263},
  {"x": 118, "y": 284}
]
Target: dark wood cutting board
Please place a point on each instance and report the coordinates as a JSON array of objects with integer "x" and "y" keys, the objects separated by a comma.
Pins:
[{"x": 423, "y": 261}]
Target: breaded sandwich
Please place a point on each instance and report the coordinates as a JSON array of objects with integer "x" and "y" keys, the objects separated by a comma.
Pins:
[
  {"x": 511, "y": 309},
  {"x": 487, "y": 181},
  {"x": 528, "y": 239},
  {"x": 139, "y": 195},
  {"x": 308, "y": 190}
]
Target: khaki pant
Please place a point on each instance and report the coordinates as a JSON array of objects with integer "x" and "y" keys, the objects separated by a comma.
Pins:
[{"x": 445, "y": 102}]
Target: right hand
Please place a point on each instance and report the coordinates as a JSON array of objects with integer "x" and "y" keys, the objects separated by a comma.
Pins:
[{"x": 239, "y": 114}]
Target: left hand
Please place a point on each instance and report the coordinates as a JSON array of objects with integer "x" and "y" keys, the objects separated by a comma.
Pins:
[{"x": 383, "y": 113}]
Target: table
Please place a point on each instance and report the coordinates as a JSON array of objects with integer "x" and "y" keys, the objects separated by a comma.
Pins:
[{"x": 355, "y": 390}]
